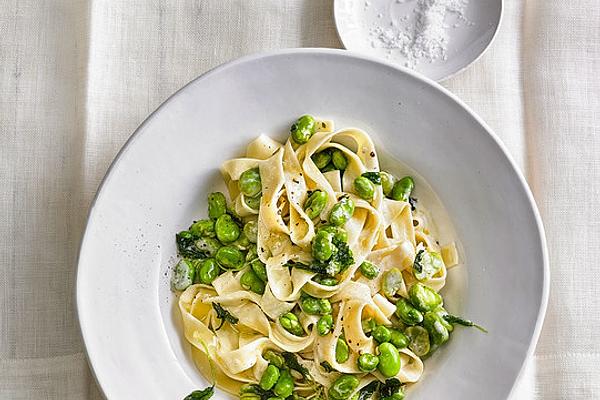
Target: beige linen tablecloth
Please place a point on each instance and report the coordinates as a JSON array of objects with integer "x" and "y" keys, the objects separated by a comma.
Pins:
[{"x": 77, "y": 77}]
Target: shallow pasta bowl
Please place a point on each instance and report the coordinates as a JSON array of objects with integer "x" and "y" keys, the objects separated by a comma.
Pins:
[{"x": 159, "y": 181}]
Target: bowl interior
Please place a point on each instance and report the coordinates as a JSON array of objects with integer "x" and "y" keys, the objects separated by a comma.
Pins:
[
  {"x": 468, "y": 38},
  {"x": 159, "y": 182}
]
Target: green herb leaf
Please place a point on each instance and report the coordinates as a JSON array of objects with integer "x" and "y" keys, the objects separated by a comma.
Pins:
[
  {"x": 292, "y": 362},
  {"x": 327, "y": 367},
  {"x": 250, "y": 391},
  {"x": 204, "y": 394},
  {"x": 390, "y": 387},
  {"x": 374, "y": 177},
  {"x": 413, "y": 203},
  {"x": 224, "y": 315},
  {"x": 454, "y": 319},
  {"x": 186, "y": 247},
  {"x": 368, "y": 391},
  {"x": 418, "y": 263}
]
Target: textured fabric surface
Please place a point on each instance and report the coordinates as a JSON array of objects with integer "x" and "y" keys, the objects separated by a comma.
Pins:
[{"x": 77, "y": 77}]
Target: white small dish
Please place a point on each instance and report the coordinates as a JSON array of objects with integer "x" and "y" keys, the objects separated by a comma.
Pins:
[
  {"x": 373, "y": 26},
  {"x": 159, "y": 181}
]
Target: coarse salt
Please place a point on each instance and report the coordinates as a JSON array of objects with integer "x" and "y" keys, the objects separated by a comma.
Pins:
[{"x": 424, "y": 36}]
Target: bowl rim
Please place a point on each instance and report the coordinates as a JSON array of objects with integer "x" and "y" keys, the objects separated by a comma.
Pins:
[
  {"x": 338, "y": 30},
  {"x": 85, "y": 334}
]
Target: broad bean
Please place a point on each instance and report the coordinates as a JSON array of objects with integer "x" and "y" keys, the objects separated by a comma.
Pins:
[
  {"x": 324, "y": 325},
  {"x": 315, "y": 203},
  {"x": 303, "y": 129},
  {"x": 407, "y": 313},
  {"x": 369, "y": 270},
  {"x": 269, "y": 378},
  {"x": 250, "y": 184},
  {"x": 217, "y": 205},
  {"x": 290, "y": 323},
  {"x": 341, "y": 212},
  {"x": 343, "y": 387},
  {"x": 364, "y": 188},
  {"x": 322, "y": 246},
  {"x": 226, "y": 229},
  {"x": 424, "y": 298},
  {"x": 403, "y": 188},
  {"x": 389, "y": 360},
  {"x": 230, "y": 257}
]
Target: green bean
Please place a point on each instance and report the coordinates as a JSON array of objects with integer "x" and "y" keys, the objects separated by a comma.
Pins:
[
  {"x": 338, "y": 232},
  {"x": 368, "y": 325},
  {"x": 322, "y": 158},
  {"x": 424, "y": 298},
  {"x": 392, "y": 282},
  {"x": 251, "y": 231},
  {"x": 369, "y": 270},
  {"x": 368, "y": 362},
  {"x": 322, "y": 246},
  {"x": 226, "y": 228},
  {"x": 253, "y": 202},
  {"x": 343, "y": 387},
  {"x": 208, "y": 271},
  {"x": 403, "y": 188},
  {"x": 183, "y": 276},
  {"x": 324, "y": 325},
  {"x": 389, "y": 360},
  {"x": 250, "y": 281},
  {"x": 381, "y": 334},
  {"x": 341, "y": 212},
  {"x": 315, "y": 203},
  {"x": 274, "y": 358},
  {"x": 407, "y": 313},
  {"x": 285, "y": 384},
  {"x": 419, "y": 340},
  {"x": 364, "y": 188},
  {"x": 342, "y": 352},
  {"x": 427, "y": 264},
  {"x": 290, "y": 323},
  {"x": 203, "y": 228},
  {"x": 339, "y": 160},
  {"x": 438, "y": 333},
  {"x": 260, "y": 269},
  {"x": 230, "y": 257},
  {"x": 217, "y": 205},
  {"x": 269, "y": 378},
  {"x": 303, "y": 129},
  {"x": 208, "y": 245},
  {"x": 398, "y": 339},
  {"x": 275, "y": 398},
  {"x": 325, "y": 280}
]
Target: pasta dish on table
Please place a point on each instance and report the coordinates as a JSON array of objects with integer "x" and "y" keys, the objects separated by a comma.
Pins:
[{"x": 318, "y": 278}]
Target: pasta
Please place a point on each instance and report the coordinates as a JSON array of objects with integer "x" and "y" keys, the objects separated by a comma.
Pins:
[{"x": 331, "y": 269}]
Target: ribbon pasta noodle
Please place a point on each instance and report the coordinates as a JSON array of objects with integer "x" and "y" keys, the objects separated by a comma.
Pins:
[{"x": 330, "y": 267}]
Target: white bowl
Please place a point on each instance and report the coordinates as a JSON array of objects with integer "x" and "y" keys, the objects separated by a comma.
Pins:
[
  {"x": 468, "y": 38},
  {"x": 159, "y": 181}
]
